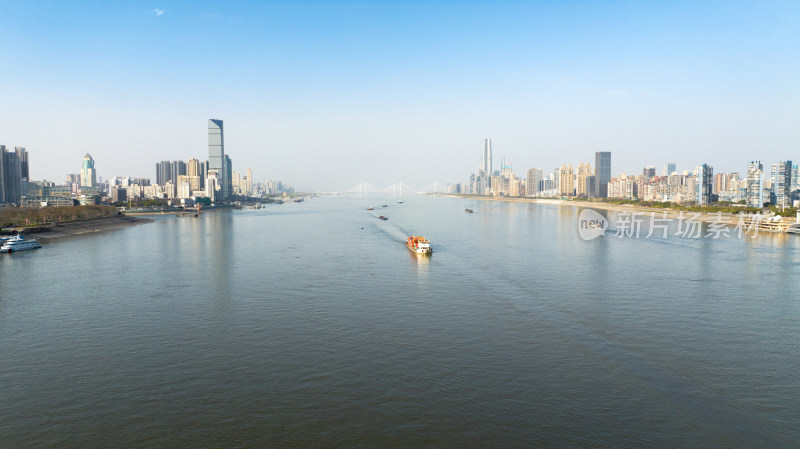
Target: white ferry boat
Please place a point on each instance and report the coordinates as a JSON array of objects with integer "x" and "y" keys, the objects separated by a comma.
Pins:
[
  {"x": 418, "y": 245},
  {"x": 17, "y": 243}
]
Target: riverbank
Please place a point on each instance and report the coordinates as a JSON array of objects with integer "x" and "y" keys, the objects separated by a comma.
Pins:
[
  {"x": 721, "y": 218},
  {"x": 70, "y": 228}
]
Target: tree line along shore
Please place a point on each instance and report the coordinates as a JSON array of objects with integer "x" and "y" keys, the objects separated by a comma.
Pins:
[{"x": 52, "y": 222}]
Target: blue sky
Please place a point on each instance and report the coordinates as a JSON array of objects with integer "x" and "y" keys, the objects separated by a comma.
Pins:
[{"x": 325, "y": 95}]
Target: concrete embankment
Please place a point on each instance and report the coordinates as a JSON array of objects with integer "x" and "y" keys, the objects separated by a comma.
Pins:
[{"x": 82, "y": 227}]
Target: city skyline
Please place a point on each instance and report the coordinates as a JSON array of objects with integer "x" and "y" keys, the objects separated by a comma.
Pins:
[{"x": 335, "y": 94}]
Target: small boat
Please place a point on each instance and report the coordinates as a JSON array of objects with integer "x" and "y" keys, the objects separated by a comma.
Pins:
[
  {"x": 18, "y": 243},
  {"x": 419, "y": 245},
  {"x": 299, "y": 200},
  {"x": 383, "y": 218},
  {"x": 370, "y": 208},
  {"x": 385, "y": 205},
  {"x": 401, "y": 201},
  {"x": 469, "y": 211}
]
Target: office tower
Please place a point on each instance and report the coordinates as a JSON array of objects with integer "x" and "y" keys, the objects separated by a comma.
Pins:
[
  {"x": 591, "y": 183},
  {"x": 755, "y": 171},
  {"x": 228, "y": 178},
  {"x": 566, "y": 181},
  {"x": 88, "y": 174},
  {"x": 602, "y": 172},
  {"x": 163, "y": 172},
  {"x": 486, "y": 161},
  {"x": 203, "y": 174},
  {"x": 705, "y": 178},
  {"x": 22, "y": 155},
  {"x": 178, "y": 169},
  {"x": 781, "y": 191},
  {"x": 649, "y": 171},
  {"x": 119, "y": 194},
  {"x": 584, "y": 171},
  {"x": 216, "y": 155},
  {"x": 532, "y": 181},
  {"x": 212, "y": 185}
]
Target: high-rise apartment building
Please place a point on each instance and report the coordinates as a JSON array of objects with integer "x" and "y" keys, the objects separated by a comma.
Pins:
[
  {"x": 602, "y": 167},
  {"x": 193, "y": 167},
  {"x": 163, "y": 173},
  {"x": 88, "y": 173},
  {"x": 566, "y": 181},
  {"x": 22, "y": 155},
  {"x": 781, "y": 191},
  {"x": 705, "y": 181},
  {"x": 755, "y": 172},
  {"x": 248, "y": 184},
  {"x": 10, "y": 177},
  {"x": 178, "y": 169},
  {"x": 582, "y": 184}
]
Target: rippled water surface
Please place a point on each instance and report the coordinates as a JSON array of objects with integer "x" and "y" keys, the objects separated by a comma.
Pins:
[{"x": 291, "y": 326}]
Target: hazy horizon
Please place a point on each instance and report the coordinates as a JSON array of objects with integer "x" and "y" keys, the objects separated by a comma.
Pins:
[{"x": 328, "y": 95}]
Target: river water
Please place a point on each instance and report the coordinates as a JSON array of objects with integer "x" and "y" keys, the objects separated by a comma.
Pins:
[{"x": 291, "y": 326}]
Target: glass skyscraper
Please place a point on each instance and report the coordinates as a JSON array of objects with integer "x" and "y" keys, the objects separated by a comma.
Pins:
[
  {"x": 216, "y": 153},
  {"x": 602, "y": 167}
]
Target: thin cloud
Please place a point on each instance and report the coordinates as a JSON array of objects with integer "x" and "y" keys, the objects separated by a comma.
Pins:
[{"x": 158, "y": 12}]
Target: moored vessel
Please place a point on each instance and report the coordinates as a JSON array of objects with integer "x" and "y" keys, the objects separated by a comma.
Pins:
[
  {"x": 418, "y": 244},
  {"x": 383, "y": 218},
  {"x": 18, "y": 243}
]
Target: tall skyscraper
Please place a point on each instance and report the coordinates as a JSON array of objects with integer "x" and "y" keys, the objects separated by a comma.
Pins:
[
  {"x": 486, "y": 161},
  {"x": 755, "y": 171},
  {"x": 781, "y": 192},
  {"x": 602, "y": 171},
  {"x": 705, "y": 181},
  {"x": 649, "y": 171},
  {"x": 227, "y": 178},
  {"x": 669, "y": 168},
  {"x": 216, "y": 156},
  {"x": 88, "y": 173}
]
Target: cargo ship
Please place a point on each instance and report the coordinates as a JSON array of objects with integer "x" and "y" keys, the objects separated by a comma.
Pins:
[{"x": 418, "y": 245}]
